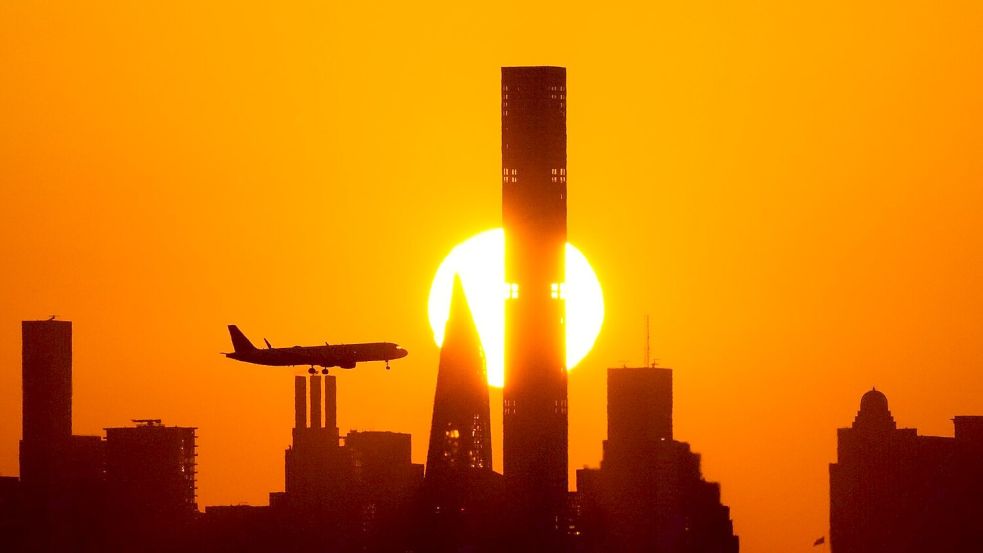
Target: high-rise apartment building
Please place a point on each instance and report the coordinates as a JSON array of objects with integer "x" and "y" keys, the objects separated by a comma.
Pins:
[
  {"x": 534, "y": 216},
  {"x": 649, "y": 494},
  {"x": 47, "y": 410},
  {"x": 150, "y": 470}
]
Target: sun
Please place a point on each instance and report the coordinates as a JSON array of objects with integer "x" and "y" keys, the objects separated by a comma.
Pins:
[{"x": 480, "y": 262}]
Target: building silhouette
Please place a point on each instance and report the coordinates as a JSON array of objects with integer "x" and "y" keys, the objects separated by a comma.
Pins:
[
  {"x": 318, "y": 508},
  {"x": 460, "y": 431},
  {"x": 639, "y": 406},
  {"x": 461, "y": 495},
  {"x": 13, "y": 534},
  {"x": 150, "y": 469},
  {"x": 358, "y": 493},
  {"x": 649, "y": 493},
  {"x": 361, "y": 492},
  {"x": 387, "y": 481},
  {"x": 150, "y": 485},
  {"x": 534, "y": 217},
  {"x": 892, "y": 490},
  {"x": 314, "y": 465},
  {"x": 60, "y": 474},
  {"x": 46, "y": 369}
]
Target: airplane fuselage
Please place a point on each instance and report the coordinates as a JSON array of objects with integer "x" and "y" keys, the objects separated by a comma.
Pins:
[{"x": 341, "y": 355}]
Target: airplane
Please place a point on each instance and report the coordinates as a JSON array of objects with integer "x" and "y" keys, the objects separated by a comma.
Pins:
[{"x": 345, "y": 356}]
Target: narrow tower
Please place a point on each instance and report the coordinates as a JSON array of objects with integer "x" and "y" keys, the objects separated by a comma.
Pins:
[
  {"x": 462, "y": 495},
  {"x": 460, "y": 433},
  {"x": 47, "y": 421},
  {"x": 534, "y": 214}
]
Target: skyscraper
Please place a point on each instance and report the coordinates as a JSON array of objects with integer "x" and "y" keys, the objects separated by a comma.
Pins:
[
  {"x": 61, "y": 473},
  {"x": 460, "y": 433},
  {"x": 891, "y": 489},
  {"x": 462, "y": 496},
  {"x": 534, "y": 214},
  {"x": 47, "y": 387},
  {"x": 386, "y": 481},
  {"x": 639, "y": 405},
  {"x": 649, "y": 494}
]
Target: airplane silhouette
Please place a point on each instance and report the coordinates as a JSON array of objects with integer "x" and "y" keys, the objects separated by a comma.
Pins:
[{"x": 345, "y": 356}]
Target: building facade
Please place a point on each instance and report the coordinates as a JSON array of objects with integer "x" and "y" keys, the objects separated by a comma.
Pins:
[
  {"x": 61, "y": 474},
  {"x": 150, "y": 486},
  {"x": 460, "y": 430},
  {"x": 892, "y": 490},
  {"x": 46, "y": 371},
  {"x": 649, "y": 493},
  {"x": 462, "y": 496},
  {"x": 534, "y": 216},
  {"x": 150, "y": 470},
  {"x": 351, "y": 493}
]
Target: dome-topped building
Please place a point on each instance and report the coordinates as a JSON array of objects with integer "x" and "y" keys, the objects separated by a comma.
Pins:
[
  {"x": 874, "y": 413},
  {"x": 873, "y": 400},
  {"x": 893, "y": 490}
]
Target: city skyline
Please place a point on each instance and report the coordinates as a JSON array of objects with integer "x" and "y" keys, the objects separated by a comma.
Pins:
[
  {"x": 792, "y": 204},
  {"x": 135, "y": 489}
]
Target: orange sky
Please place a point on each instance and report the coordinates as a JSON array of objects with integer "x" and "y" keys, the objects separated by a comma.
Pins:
[{"x": 792, "y": 192}]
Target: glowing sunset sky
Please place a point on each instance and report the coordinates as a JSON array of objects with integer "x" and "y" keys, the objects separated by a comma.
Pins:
[{"x": 791, "y": 191}]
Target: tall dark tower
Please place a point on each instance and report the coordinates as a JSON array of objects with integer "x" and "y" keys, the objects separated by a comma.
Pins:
[
  {"x": 649, "y": 494},
  {"x": 462, "y": 495},
  {"x": 460, "y": 433},
  {"x": 47, "y": 385},
  {"x": 639, "y": 405},
  {"x": 534, "y": 214}
]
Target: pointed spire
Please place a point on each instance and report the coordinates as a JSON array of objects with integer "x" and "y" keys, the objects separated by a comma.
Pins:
[
  {"x": 461, "y": 338},
  {"x": 460, "y": 432}
]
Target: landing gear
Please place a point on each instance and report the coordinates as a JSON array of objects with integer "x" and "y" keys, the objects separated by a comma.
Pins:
[
  {"x": 312, "y": 370},
  {"x": 324, "y": 371},
  {"x": 387, "y": 364}
]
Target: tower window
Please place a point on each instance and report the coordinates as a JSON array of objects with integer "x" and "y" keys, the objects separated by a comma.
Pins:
[
  {"x": 558, "y": 291},
  {"x": 560, "y": 407},
  {"x": 509, "y": 405},
  {"x": 511, "y": 291}
]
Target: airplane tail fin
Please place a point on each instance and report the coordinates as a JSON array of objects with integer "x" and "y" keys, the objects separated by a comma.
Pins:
[{"x": 239, "y": 341}]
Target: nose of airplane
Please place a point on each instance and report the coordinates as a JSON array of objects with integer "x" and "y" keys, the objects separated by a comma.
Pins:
[{"x": 401, "y": 352}]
